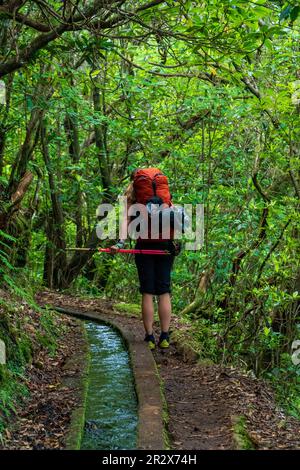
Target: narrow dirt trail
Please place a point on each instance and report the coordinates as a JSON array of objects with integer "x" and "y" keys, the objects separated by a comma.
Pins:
[
  {"x": 199, "y": 418},
  {"x": 203, "y": 400}
]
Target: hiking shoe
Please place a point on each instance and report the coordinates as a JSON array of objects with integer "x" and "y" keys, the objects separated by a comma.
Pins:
[
  {"x": 151, "y": 341},
  {"x": 164, "y": 340}
]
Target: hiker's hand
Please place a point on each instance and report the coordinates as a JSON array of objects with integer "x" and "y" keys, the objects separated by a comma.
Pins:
[{"x": 114, "y": 249}]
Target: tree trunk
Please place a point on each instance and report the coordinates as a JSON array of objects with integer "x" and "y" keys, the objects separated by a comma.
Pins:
[
  {"x": 200, "y": 292},
  {"x": 3, "y": 123},
  {"x": 71, "y": 128},
  {"x": 55, "y": 263},
  {"x": 101, "y": 145}
]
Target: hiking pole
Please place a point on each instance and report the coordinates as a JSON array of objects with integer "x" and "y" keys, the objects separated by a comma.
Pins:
[
  {"x": 81, "y": 249},
  {"x": 134, "y": 251}
]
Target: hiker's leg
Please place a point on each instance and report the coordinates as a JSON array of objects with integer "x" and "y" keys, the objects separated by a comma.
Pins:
[
  {"x": 163, "y": 267},
  {"x": 165, "y": 311},
  {"x": 148, "y": 312},
  {"x": 145, "y": 267}
]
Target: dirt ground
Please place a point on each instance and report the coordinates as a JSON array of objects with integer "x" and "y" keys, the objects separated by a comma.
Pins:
[{"x": 205, "y": 401}]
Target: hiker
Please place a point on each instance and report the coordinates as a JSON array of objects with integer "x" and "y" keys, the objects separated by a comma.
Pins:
[{"x": 150, "y": 188}]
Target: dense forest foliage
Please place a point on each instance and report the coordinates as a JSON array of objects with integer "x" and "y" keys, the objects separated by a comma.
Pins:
[{"x": 208, "y": 91}]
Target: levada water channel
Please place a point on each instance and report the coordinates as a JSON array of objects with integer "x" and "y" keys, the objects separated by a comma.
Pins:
[{"x": 111, "y": 412}]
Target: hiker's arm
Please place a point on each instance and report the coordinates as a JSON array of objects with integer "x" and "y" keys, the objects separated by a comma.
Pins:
[{"x": 123, "y": 232}]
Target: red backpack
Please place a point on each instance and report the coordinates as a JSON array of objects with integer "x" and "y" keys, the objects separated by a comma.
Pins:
[
  {"x": 151, "y": 187},
  {"x": 149, "y": 183}
]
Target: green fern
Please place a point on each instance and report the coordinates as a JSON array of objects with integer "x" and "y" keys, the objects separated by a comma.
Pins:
[
  {"x": 5, "y": 261},
  {"x": 7, "y": 269},
  {"x": 7, "y": 236},
  {"x": 5, "y": 244}
]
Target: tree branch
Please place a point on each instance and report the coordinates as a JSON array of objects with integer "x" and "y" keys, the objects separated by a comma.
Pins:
[
  {"x": 27, "y": 21},
  {"x": 272, "y": 249},
  {"x": 78, "y": 22},
  {"x": 18, "y": 195}
]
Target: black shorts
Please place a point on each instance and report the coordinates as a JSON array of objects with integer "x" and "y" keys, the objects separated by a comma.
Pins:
[{"x": 154, "y": 270}]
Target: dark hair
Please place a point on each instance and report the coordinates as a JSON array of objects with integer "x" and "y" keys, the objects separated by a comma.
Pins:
[{"x": 133, "y": 173}]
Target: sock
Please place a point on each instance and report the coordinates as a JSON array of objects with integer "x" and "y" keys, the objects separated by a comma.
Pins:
[
  {"x": 164, "y": 335},
  {"x": 149, "y": 336}
]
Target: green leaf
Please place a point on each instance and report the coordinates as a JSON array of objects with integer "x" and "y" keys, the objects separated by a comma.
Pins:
[
  {"x": 8, "y": 237},
  {"x": 285, "y": 13},
  {"x": 294, "y": 13},
  {"x": 266, "y": 331},
  {"x": 269, "y": 44},
  {"x": 4, "y": 244},
  {"x": 95, "y": 73},
  {"x": 6, "y": 262},
  {"x": 29, "y": 102}
]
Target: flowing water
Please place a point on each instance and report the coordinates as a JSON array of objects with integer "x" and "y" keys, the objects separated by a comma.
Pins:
[{"x": 111, "y": 414}]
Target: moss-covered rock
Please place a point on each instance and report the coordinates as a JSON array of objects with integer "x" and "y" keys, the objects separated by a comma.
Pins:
[
  {"x": 129, "y": 309},
  {"x": 240, "y": 434}
]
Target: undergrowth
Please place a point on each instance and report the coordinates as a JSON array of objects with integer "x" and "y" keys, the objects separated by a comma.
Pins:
[{"x": 25, "y": 329}]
